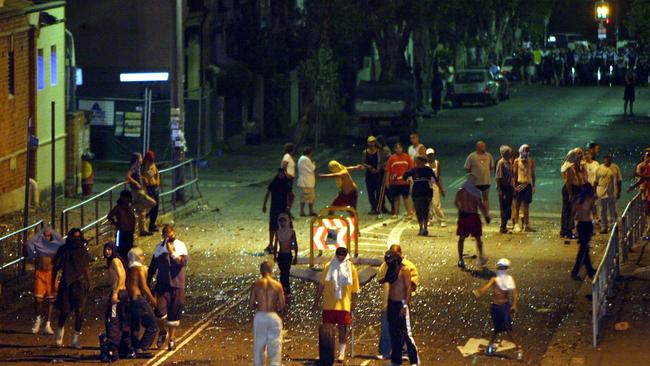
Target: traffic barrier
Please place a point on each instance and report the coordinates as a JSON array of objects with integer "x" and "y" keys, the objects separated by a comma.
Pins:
[
  {"x": 330, "y": 230},
  {"x": 11, "y": 247},
  {"x": 622, "y": 238}
]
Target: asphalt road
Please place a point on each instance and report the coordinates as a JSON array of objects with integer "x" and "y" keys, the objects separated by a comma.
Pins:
[{"x": 225, "y": 239}]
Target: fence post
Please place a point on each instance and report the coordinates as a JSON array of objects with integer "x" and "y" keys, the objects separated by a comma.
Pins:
[{"x": 97, "y": 222}]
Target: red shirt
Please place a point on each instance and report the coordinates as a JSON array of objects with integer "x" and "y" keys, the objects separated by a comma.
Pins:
[{"x": 396, "y": 166}]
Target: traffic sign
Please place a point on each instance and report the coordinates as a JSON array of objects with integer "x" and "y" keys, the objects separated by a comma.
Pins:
[
  {"x": 331, "y": 233},
  {"x": 602, "y": 32}
]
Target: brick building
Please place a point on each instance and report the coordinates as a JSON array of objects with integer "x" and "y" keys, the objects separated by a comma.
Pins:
[{"x": 16, "y": 101}]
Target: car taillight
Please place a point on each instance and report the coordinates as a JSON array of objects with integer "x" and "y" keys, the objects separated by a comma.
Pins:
[{"x": 487, "y": 89}]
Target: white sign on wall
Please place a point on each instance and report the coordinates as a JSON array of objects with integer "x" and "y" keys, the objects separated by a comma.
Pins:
[{"x": 103, "y": 112}]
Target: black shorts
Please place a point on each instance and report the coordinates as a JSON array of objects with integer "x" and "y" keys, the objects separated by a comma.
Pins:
[
  {"x": 169, "y": 304},
  {"x": 629, "y": 95},
  {"x": 483, "y": 187},
  {"x": 399, "y": 190},
  {"x": 72, "y": 297},
  {"x": 525, "y": 195},
  {"x": 501, "y": 318}
]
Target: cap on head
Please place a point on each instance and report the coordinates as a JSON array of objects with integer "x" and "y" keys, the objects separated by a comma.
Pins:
[
  {"x": 430, "y": 151},
  {"x": 503, "y": 263},
  {"x": 371, "y": 139},
  {"x": 342, "y": 251}
]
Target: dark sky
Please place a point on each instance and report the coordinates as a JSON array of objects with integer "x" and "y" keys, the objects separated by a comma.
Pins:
[{"x": 577, "y": 16}]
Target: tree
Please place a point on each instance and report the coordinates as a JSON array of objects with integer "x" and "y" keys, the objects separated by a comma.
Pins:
[{"x": 638, "y": 20}]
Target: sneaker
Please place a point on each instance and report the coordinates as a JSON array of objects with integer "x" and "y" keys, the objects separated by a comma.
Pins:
[
  {"x": 48, "y": 329},
  {"x": 75, "y": 340},
  {"x": 161, "y": 340},
  {"x": 128, "y": 356},
  {"x": 518, "y": 228},
  {"x": 490, "y": 350},
  {"x": 381, "y": 357},
  {"x": 461, "y": 263},
  {"x": 503, "y": 230},
  {"x": 443, "y": 224},
  {"x": 425, "y": 232},
  {"x": 59, "y": 336},
  {"x": 171, "y": 346},
  {"x": 341, "y": 357},
  {"x": 37, "y": 325},
  {"x": 520, "y": 354}
]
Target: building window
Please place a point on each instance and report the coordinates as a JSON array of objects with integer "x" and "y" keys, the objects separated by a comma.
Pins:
[
  {"x": 40, "y": 72},
  {"x": 12, "y": 74},
  {"x": 54, "y": 71}
]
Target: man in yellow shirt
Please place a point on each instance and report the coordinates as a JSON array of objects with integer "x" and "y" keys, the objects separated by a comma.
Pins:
[
  {"x": 384, "y": 337},
  {"x": 339, "y": 285}
]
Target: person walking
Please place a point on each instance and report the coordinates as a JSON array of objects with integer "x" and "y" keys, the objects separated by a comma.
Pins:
[
  {"x": 437, "y": 86},
  {"x": 435, "y": 210},
  {"x": 372, "y": 159},
  {"x": 584, "y": 202},
  {"x": 307, "y": 181},
  {"x": 384, "y": 337},
  {"x": 168, "y": 266},
  {"x": 525, "y": 179},
  {"x": 151, "y": 180},
  {"x": 608, "y": 190},
  {"x": 468, "y": 202},
  {"x": 574, "y": 178},
  {"x": 118, "y": 330},
  {"x": 267, "y": 300},
  {"x": 480, "y": 164},
  {"x": 142, "y": 202},
  {"x": 122, "y": 217},
  {"x": 422, "y": 179},
  {"x": 289, "y": 166},
  {"x": 630, "y": 93},
  {"x": 141, "y": 298},
  {"x": 505, "y": 189},
  {"x": 398, "y": 164},
  {"x": 339, "y": 286},
  {"x": 73, "y": 261},
  {"x": 399, "y": 298},
  {"x": 42, "y": 248},
  {"x": 501, "y": 310},
  {"x": 384, "y": 153},
  {"x": 285, "y": 243},
  {"x": 278, "y": 190}
]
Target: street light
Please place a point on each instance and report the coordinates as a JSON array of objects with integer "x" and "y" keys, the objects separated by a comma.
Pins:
[{"x": 602, "y": 11}]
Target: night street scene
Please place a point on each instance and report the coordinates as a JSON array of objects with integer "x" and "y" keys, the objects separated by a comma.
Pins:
[{"x": 325, "y": 182}]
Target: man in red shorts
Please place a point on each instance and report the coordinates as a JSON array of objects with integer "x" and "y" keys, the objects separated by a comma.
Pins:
[
  {"x": 339, "y": 285},
  {"x": 43, "y": 247},
  {"x": 468, "y": 201},
  {"x": 348, "y": 195}
]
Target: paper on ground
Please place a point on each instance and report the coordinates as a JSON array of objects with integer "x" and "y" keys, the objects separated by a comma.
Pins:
[{"x": 476, "y": 345}]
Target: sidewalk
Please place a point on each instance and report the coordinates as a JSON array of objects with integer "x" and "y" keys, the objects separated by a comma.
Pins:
[{"x": 630, "y": 303}]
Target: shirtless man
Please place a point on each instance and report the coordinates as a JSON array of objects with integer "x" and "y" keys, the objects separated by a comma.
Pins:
[
  {"x": 118, "y": 332},
  {"x": 42, "y": 247},
  {"x": 502, "y": 284},
  {"x": 468, "y": 201},
  {"x": 285, "y": 242},
  {"x": 585, "y": 203},
  {"x": 267, "y": 299},
  {"x": 399, "y": 297},
  {"x": 348, "y": 189},
  {"x": 141, "y": 310}
]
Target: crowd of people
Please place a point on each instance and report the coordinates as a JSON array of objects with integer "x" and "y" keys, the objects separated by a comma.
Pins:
[
  {"x": 580, "y": 64},
  {"x": 148, "y": 300}
]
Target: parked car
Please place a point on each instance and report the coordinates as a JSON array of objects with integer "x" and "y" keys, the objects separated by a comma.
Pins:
[
  {"x": 384, "y": 108},
  {"x": 474, "y": 86},
  {"x": 504, "y": 86},
  {"x": 508, "y": 68}
]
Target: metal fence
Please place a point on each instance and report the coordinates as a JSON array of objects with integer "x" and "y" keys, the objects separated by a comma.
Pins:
[
  {"x": 623, "y": 236},
  {"x": 11, "y": 247},
  {"x": 91, "y": 214}
]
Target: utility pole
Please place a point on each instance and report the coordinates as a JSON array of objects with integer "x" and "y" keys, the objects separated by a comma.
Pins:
[{"x": 177, "y": 123}]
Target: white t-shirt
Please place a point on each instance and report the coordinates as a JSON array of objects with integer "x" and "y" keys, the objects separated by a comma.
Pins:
[
  {"x": 591, "y": 171},
  {"x": 413, "y": 150},
  {"x": 290, "y": 163},
  {"x": 607, "y": 179},
  {"x": 306, "y": 172},
  {"x": 480, "y": 166}
]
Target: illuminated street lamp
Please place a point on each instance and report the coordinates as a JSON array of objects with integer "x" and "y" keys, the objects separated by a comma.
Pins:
[{"x": 602, "y": 11}]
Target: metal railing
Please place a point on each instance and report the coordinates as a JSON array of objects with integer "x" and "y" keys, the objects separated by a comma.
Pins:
[
  {"x": 168, "y": 200},
  {"x": 623, "y": 236},
  {"x": 632, "y": 224},
  {"x": 92, "y": 213},
  {"x": 11, "y": 246}
]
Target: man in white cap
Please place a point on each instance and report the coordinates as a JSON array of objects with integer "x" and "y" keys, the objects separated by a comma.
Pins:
[
  {"x": 436, "y": 203},
  {"x": 468, "y": 201},
  {"x": 503, "y": 285}
]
